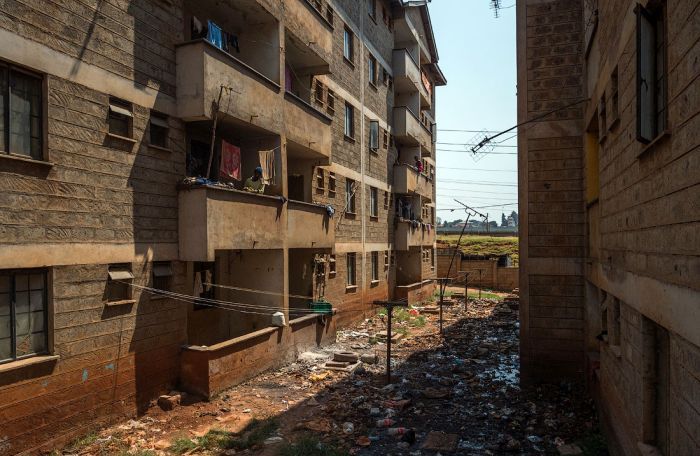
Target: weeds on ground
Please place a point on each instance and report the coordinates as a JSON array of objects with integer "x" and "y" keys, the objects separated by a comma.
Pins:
[
  {"x": 418, "y": 322},
  {"x": 485, "y": 294},
  {"x": 82, "y": 442},
  {"x": 254, "y": 434},
  {"x": 137, "y": 453},
  {"x": 310, "y": 446}
]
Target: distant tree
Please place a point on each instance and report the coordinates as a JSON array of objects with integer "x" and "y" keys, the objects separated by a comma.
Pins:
[
  {"x": 493, "y": 224},
  {"x": 515, "y": 217},
  {"x": 504, "y": 220}
]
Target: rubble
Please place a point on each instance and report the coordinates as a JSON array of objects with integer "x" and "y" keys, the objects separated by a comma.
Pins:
[{"x": 457, "y": 394}]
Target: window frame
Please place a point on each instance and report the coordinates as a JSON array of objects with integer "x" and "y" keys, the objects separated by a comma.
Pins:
[
  {"x": 350, "y": 193},
  {"x": 655, "y": 17},
  {"x": 374, "y": 202},
  {"x": 112, "y": 271},
  {"x": 5, "y": 138},
  {"x": 119, "y": 107},
  {"x": 373, "y": 136},
  {"x": 13, "y": 312},
  {"x": 349, "y": 126},
  {"x": 374, "y": 266},
  {"x": 372, "y": 70},
  {"x": 372, "y": 10},
  {"x": 332, "y": 266},
  {"x": 160, "y": 117},
  {"x": 331, "y": 184},
  {"x": 348, "y": 45},
  {"x": 351, "y": 272},
  {"x": 156, "y": 274}
]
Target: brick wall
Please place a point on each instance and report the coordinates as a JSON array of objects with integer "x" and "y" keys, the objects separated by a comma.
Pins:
[{"x": 550, "y": 171}]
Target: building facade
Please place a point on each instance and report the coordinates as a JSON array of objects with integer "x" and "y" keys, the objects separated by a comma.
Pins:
[
  {"x": 133, "y": 259},
  {"x": 609, "y": 181}
]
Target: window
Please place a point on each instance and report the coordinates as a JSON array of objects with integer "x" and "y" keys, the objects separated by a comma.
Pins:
[
  {"x": 372, "y": 9},
  {"x": 119, "y": 283},
  {"x": 350, "y": 196},
  {"x": 330, "y": 103},
  {"x": 651, "y": 73},
  {"x": 352, "y": 275},
  {"x": 614, "y": 103},
  {"x": 331, "y": 184},
  {"x": 614, "y": 335},
  {"x": 330, "y": 14},
  {"x": 21, "y": 104},
  {"x": 332, "y": 266},
  {"x": 23, "y": 314},
  {"x": 385, "y": 77},
  {"x": 349, "y": 120},
  {"x": 348, "y": 45},
  {"x": 120, "y": 117},
  {"x": 385, "y": 139},
  {"x": 375, "y": 266},
  {"x": 373, "y": 135},
  {"x": 373, "y": 203},
  {"x": 204, "y": 275},
  {"x": 159, "y": 130},
  {"x": 319, "y": 91},
  {"x": 386, "y": 199},
  {"x": 372, "y": 64},
  {"x": 432, "y": 260},
  {"x": 320, "y": 179},
  {"x": 602, "y": 119},
  {"x": 162, "y": 273},
  {"x": 386, "y": 259}
]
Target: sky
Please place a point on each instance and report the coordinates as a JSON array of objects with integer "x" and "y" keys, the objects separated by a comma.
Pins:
[{"x": 478, "y": 57}]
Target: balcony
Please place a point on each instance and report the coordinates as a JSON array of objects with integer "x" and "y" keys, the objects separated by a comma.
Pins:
[
  {"x": 407, "y": 76},
  {"x": 309, "y": 226},
  {"x": 304, "y": 18},
  {"x": 409, "y": 131},
  {"x": 407, "y": 180},
  {"x": 214, "y": 218},
  {"x": 203, "y": 69},
  {"x": 407, "y": 235}
]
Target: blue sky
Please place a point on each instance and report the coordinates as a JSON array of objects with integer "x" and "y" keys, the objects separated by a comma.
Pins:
[{"x": 478, "y": 56}]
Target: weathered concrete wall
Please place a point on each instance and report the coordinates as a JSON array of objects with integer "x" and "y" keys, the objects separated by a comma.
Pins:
[
  {"x": 482, "y": 273},
  {"x": 550, "y": 64}
]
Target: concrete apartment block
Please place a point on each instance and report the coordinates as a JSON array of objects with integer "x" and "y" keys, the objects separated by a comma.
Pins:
[
  {"x": 109, "y": 242},
  {"x": 610, "y": 256}
]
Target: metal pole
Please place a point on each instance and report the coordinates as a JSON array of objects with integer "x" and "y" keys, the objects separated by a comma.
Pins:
[
  {"x": 215, "y": 113},
  {"x": 479, "y": 283},
  {"x": 466, "y": 290},
  {"x": 442, "y": 294},
  {"x": 390, "y": 310}
]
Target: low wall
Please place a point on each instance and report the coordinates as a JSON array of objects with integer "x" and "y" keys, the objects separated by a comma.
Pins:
[
  {"x": 482, "y": 273},
  {"x": 416, "y": 292},
  {"x": 207, "y": 371}
]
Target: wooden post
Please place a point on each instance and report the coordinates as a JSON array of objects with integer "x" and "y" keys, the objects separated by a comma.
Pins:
[
  {"x": 389, "y": 305},
  {"x": 466, "y": 290}
]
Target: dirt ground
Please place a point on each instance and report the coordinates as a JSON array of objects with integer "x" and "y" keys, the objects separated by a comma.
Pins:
[{"x": 452, "y": 394}]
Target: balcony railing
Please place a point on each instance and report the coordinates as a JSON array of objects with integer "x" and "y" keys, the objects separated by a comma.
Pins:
[
  {"x": 409, "y": 130},
  {"x": 215, "y": 218},
  {"x": 413, "y": 234},
  {"x": 309, "y": 226},
  {"x": 408, "y": 180}
]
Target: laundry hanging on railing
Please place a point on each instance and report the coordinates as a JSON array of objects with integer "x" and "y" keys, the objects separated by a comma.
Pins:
[
  {"x": 215, "y": 35},
  {"x": 230, "y": 161},
  {"x": 267, "y": 163}
]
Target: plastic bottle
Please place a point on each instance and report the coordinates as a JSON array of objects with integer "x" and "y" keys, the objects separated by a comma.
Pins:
[{"x": 386, "y": 422}]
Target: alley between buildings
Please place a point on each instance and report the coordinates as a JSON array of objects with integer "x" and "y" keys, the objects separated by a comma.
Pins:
[{"x": 452, "y": 394}]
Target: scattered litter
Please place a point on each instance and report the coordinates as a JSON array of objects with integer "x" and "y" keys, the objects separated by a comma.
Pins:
[{"x": 440, "y": 441}]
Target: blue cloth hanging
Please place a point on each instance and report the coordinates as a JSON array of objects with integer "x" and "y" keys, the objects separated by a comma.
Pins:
[{"x": 214, "y": 35}]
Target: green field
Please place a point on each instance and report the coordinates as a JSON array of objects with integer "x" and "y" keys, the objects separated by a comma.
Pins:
[{"x": 483, "y": 245}]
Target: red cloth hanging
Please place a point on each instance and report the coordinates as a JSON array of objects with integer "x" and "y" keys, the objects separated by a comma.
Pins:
[{"x": 230, "y": 161}]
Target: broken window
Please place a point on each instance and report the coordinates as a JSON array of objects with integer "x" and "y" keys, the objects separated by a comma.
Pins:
[
  {"x": 331, "y": 184},
  {"x": 651, "y": 73},
  {"x": 21, "y": 98},
  {"x": 351, "y": 272},
  {"x": 320, "y": 179},
  {"x": 119, "y": 283},
  {"x": 350, "y": 196},
  {"x": 373, "y": 135},
  {"x": 330, "y": 103},
  {"x": 23, "y": 314},
  {"x": 348, "y": 45},
  {"x": 349, "y": 120},
  {"x": 159, "y": 130},
  {"x": 373, "y": 202},
  {"x": 120, "y": 117},
  {"x": 375, "y": 266},
  {"x": 162, "y": 274},
  {"x": 331, "y": 266}
]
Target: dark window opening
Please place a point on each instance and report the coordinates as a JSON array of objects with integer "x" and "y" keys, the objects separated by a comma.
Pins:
[
  {"x": 120, "y": 279},
  {"x": 21, "y": 117},
  {"x": 159, "y": 130},
  {"x": 120, "y": 117},
  {"x": 204, "y": 276},
  {"x": 651, "y": 73},
  {"x": 162, "y": 276}
]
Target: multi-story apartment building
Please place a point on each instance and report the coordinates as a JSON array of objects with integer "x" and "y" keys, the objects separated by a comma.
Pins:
[
  {"x": 609, "y": 191},
  {"x": 132, "y": 258}
]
